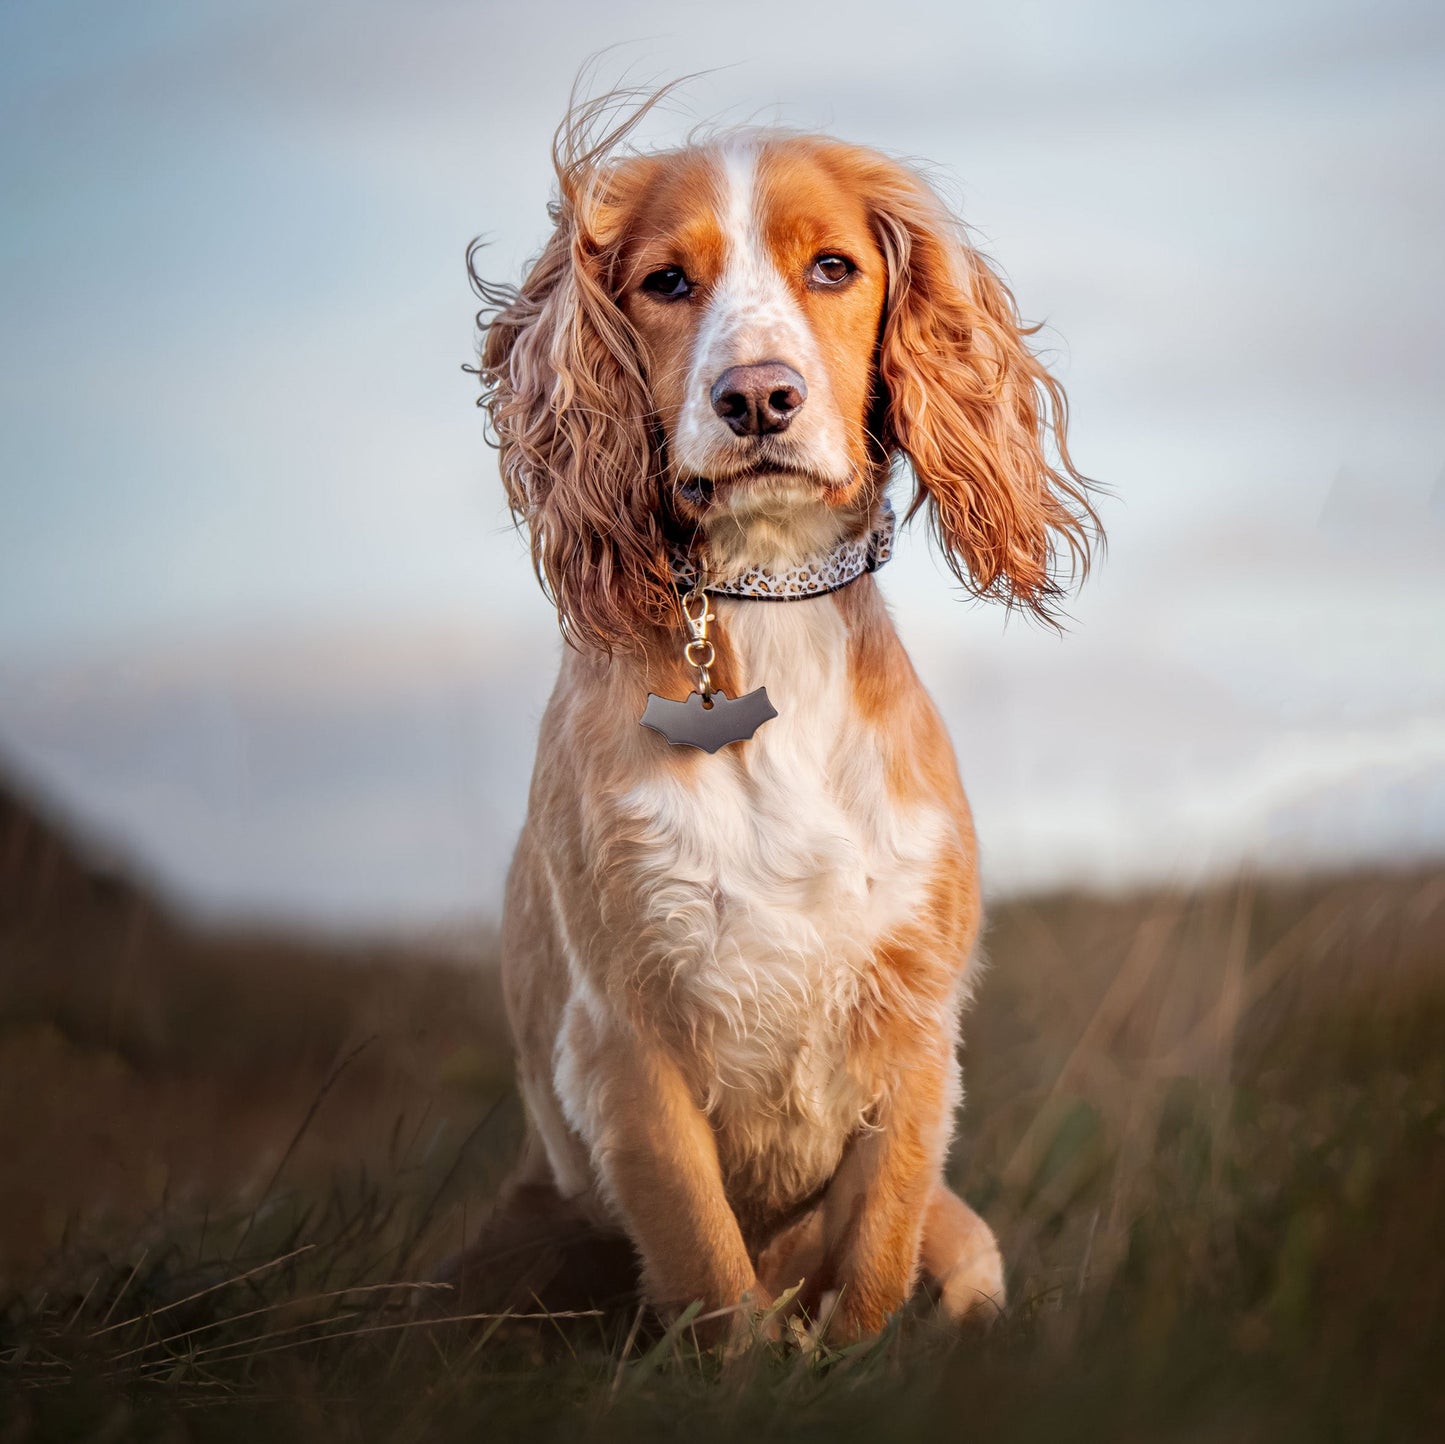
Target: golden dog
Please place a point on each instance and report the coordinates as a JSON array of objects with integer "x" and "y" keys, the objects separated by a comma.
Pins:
[{"x": 734, "y": 977}]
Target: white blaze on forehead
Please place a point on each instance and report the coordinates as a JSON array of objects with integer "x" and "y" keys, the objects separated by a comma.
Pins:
[{"x": 752, "y": 317}]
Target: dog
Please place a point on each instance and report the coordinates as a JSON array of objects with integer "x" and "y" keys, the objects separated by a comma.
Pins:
[{"x": 734, "y": 969}]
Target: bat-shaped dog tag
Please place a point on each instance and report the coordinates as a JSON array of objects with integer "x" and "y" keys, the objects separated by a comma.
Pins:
[{"x": 708, "y": 724}]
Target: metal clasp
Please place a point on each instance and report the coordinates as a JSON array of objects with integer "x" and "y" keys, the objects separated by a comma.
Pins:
[{"x": 699, "y": 651}]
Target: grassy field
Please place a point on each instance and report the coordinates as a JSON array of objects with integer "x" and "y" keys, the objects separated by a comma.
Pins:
[{"x": 1207, "y": 1129}]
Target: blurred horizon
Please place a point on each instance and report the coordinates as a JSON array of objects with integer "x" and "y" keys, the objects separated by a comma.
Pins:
[{"x": 265, "y": 626}]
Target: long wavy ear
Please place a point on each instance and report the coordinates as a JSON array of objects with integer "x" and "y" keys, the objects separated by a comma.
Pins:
[
  {"x": 568, "y": 406},
  {"x": 970, "y": 405}
]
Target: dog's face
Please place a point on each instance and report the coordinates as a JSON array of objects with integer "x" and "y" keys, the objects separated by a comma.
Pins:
[
  {"x": 755, "y": 283},
  {"x": 729, "y": 344}
]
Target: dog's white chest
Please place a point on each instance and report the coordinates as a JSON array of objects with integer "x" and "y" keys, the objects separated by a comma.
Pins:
[{"x": 768, "y": 878}]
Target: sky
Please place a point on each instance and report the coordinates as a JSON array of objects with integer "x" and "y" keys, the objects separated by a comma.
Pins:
[{"x": 265, "y": 627}]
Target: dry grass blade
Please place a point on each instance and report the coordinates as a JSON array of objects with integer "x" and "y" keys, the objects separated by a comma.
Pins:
[
  {"x": 239, "y": 1348},
  {"x": 1128, "y": 985},
  {"x": 1271, "y": 968},
  {"x": 424, "y": 1219},
  {"x": 654, "y": 1358},
  {"x": 626, "y": 1353},
  {"x": 297, "y": 1303},
  {"x": 125, "y": 1287},
  {"x": 549, "y": 1315},
  {"x": 80, "y": 1307},
  {"x": 211, "y": 1289},
  {"x": 300, "y": 1133}
]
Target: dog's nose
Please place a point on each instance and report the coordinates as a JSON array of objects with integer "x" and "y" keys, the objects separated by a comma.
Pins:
[{"x": 757, "y": 400}]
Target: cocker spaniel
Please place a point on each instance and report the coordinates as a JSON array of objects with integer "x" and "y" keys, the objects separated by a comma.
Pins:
[{"x": 737, "y": 938}]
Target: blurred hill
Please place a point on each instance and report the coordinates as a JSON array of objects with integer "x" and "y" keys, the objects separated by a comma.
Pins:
[
  {"x": 147, "y": 1063},
  {"x": 353, "y": 780}
]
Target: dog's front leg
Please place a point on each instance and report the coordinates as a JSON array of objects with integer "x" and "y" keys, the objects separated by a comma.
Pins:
[
  {"x": 656, "y": 1156},
  {"x": 875, "y": 1207}
]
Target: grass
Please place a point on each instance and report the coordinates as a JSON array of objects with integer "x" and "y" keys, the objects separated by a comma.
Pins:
[{"x": 1207, "y": 1127}]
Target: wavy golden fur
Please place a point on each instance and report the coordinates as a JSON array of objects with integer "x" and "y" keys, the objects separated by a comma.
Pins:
[{"x": 959, "y": 392}]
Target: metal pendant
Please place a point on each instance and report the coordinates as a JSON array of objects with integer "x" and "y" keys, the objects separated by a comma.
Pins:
[{"x": 708, "y": 723}]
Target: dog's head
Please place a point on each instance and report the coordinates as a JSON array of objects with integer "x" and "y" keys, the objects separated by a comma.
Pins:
[{"x": 728, "y": 344}]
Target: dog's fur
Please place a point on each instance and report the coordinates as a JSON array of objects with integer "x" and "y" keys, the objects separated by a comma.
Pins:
[{"x": 734, "y": 980}]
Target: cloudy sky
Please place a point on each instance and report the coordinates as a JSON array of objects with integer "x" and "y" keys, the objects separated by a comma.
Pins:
[{"x": 262, "y": 620}]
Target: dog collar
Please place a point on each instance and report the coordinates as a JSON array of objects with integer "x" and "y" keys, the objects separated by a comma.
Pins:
[{"x": 814, "y": 578}]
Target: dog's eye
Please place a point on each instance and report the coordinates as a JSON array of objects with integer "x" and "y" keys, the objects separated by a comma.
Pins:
[
  {"x": 670, "y": 283},
  {"x": 830, "y": 270}
]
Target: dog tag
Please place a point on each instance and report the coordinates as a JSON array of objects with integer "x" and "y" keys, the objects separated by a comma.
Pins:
[{"x": 708, "y": 724}]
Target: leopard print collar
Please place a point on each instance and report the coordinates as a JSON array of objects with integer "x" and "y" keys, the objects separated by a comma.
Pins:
[{"x": 844, "y": 564}]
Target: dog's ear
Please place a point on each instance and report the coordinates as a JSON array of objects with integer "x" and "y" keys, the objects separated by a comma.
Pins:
[
  {"x": 979, "y": 418},
  {"x": 570, "y": 416}
]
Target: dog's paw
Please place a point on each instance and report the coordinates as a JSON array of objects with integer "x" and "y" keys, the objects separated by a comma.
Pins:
[{"x": 972, "y": 1292}]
